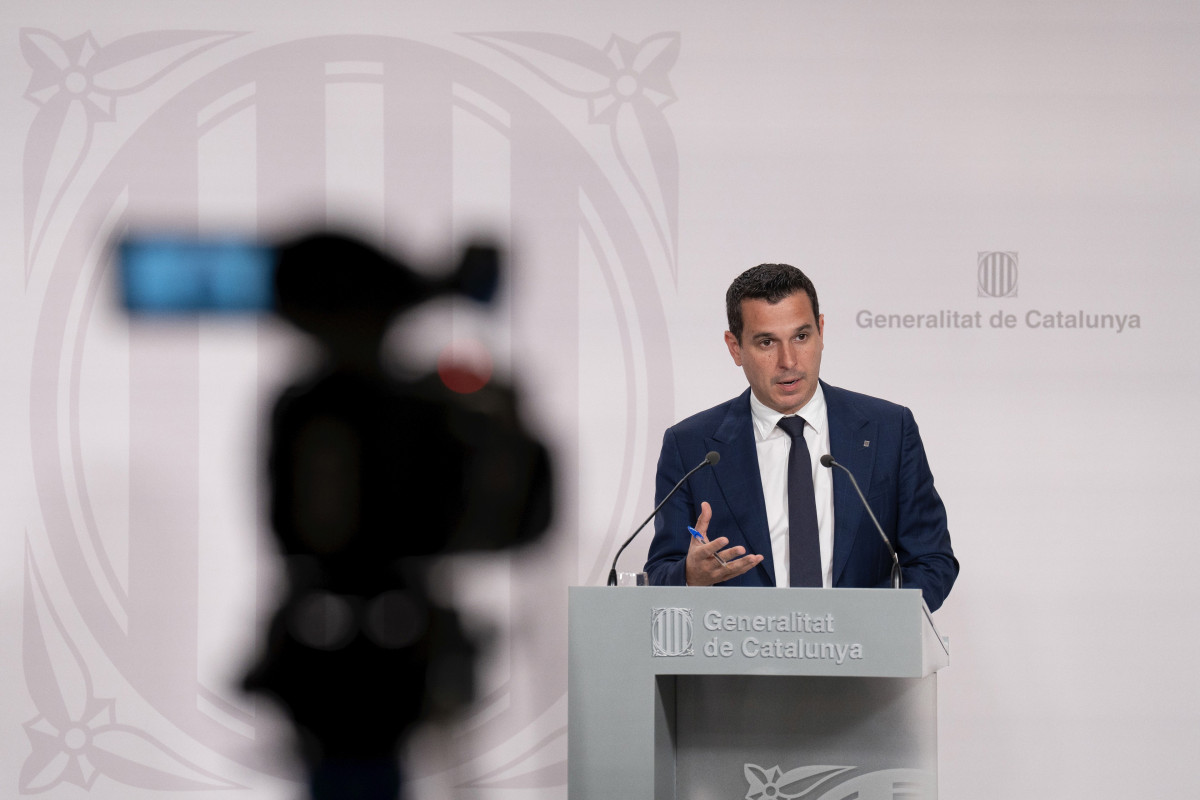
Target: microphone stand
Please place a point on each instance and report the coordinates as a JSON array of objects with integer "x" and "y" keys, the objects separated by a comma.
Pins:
[
  {"x": 827, "y": 461},
  {"x": 712, "y": 458}
]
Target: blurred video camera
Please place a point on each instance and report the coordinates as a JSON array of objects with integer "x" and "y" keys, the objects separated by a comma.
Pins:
[{"x": 370, "y": 477}]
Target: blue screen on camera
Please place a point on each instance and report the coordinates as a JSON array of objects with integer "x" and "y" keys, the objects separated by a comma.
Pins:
[{"x": 175, "y": 274}]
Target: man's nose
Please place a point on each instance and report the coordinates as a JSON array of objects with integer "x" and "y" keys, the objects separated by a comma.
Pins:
[{"x": 787, "y": 355}]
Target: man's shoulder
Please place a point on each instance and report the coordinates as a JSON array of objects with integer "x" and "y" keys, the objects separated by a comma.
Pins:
[
  {"x": 842, "y": 401},
  {"x": 708, "y": 420}
]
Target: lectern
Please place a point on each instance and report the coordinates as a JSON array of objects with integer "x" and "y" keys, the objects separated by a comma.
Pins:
[{"x": 715, "y": 693}]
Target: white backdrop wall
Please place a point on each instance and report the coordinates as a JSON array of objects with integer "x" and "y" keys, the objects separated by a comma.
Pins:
[{"x": 635, "y": 157}]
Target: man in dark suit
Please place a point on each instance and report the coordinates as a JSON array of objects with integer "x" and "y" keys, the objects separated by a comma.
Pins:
[{"x": 776, "y": 335}]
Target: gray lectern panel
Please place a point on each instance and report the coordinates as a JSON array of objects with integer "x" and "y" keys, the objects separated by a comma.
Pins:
[
  {"x": 687, "y": 692},
  {"x": 740, "y": 735}
]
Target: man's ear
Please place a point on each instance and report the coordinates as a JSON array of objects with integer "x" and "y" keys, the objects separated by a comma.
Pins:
[{"x": 735, "y": 349}]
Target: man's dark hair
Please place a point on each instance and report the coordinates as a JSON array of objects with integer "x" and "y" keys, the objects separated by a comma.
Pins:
[{"x": 770, "y": 282}]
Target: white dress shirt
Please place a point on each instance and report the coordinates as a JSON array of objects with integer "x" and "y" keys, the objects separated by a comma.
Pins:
[{"x": 774, "y": 446}]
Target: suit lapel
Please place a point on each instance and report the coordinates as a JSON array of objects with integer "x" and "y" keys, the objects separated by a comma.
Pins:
[
  {"x": 850, "y": 437},
  {"x": 738, "y": 478}
]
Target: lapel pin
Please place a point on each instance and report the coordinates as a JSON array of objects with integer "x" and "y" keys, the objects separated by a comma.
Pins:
[{"x": 866, "y": 443}]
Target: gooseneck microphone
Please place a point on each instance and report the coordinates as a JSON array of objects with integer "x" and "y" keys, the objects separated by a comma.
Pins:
[
  {"x": 712, "y": 458},
  {"x": 828, "y": 462}
]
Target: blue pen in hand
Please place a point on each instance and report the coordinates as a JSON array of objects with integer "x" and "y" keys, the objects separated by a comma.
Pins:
[{"x": 699, "y": 537}]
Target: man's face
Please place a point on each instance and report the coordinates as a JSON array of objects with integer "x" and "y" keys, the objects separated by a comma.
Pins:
[{"x": 780, "y": 350}]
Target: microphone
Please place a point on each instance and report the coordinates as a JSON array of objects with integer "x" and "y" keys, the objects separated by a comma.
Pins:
[
  {"x": 828, "y": 462},
  {"x": 712, "y": 458}
]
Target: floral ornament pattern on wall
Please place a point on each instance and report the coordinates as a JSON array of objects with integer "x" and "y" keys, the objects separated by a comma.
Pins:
[
  {"x": 76, "y": 82},
  {"x": 76, "y": 736},
  {"x": 626, "y": 86}
]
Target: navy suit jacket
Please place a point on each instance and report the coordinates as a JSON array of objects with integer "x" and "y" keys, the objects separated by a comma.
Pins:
[{"x": 876, "y": 440}]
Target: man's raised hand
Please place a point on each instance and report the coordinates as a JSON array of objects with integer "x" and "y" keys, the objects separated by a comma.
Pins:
[{"x": 704, "y": 565}]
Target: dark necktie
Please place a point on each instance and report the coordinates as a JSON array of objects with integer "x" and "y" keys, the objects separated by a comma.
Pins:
[{"x": 804, "y": 542}]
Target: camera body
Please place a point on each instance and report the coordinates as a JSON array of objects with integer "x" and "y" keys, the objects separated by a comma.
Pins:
[{"x": 371, "y": 478}]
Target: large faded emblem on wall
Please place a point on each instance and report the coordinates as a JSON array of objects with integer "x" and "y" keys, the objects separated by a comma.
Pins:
[{"x": 140, "y": 570}]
